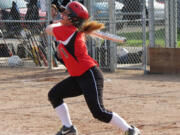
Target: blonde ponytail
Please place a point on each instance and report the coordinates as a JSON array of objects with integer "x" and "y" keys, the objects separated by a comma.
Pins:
[{"x": 90, "y": 26}]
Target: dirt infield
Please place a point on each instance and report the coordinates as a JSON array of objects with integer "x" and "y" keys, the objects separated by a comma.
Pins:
[{"x": 151, "y": 102}]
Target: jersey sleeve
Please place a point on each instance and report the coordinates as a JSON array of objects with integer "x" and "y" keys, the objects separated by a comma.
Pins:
[{"x": 63, "y": 32}]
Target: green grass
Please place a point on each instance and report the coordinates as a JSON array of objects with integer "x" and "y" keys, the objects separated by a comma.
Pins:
[
  {"x": 178, "y": 38},
  {"x": 135, "y": 38}
]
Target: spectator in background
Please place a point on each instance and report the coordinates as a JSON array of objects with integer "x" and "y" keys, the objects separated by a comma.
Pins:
[
  {"x": 65, "y": 2},
  {"x": 56, "y": 8},
  {"x": 54, "y": 12},
  {"x": 61, "y": 5},
  {"x": 14, "y": 14},
  {"x": 55, "y": 16},
  {"x": 33, "y": 14},
  {"x": 57, "y": 5},
  {"x": 32, "y": 11}
]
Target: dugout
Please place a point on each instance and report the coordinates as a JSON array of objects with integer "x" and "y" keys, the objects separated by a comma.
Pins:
[{"x": 164, "y": 60}]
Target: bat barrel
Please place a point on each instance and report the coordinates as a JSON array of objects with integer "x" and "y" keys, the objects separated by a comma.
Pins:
[{"x": 108, "y": 36}]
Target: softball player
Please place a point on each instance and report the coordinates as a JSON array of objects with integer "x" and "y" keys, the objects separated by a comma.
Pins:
[{"x": 85, "y": 76}]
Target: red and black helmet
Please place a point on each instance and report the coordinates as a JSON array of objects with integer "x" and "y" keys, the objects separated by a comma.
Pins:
[{"x": 78, "y": 13}]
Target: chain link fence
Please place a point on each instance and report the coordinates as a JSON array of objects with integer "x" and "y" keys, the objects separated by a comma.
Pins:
[
  {"x": 178, "y": 16},
  {"x": 23, "y": 41},
  {"x": 142, "y": 22},
  {"x": 126, "y": 21}
]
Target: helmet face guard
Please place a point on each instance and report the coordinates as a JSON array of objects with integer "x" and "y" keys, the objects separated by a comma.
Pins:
[
  {"x": 78, "y": 13},
  {"x": 76, "y": 21}
]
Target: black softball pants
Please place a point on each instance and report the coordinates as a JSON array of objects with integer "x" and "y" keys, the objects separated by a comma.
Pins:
[{"x": 90, "y": 84}]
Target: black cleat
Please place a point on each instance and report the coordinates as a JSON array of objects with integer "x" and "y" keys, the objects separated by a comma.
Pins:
[{"x": 67, "y": 131}]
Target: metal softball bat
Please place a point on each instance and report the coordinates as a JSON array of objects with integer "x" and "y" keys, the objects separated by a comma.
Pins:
[{"x": 108, "y": 36}]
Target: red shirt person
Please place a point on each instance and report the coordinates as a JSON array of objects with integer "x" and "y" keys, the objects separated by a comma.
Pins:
[
  {"x": 74, "y": 55},
  {"x": 85, "y": 77}
]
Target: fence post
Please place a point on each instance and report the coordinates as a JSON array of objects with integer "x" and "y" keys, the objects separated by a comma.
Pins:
[
  {"x": 173, "y": 19},
  {"x": 144, "y": 36},
  {"x": 171, "y": 23},
  {"x": 49, "y": 38},
  {"x": 92, "y": 44},
  {"x": 167, "y": 24},
  {"x": 151, "y": 23},
  {"x": 178, "y": 14},
  {"x": 112, "y": 25}
]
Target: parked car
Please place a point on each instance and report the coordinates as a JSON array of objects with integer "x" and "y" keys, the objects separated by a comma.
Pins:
[
  {"x": 127, "y": 10},
  {"x": 101, "y": 12},
  {"x": 135, "y": 6},
  {"x": 159, "y": 9}
]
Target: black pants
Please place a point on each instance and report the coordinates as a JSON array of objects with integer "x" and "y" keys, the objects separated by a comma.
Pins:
[{"x": 90, "y": 84}]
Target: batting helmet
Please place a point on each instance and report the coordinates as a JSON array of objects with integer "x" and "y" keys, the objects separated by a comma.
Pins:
[{"x": 78, "y": 13}]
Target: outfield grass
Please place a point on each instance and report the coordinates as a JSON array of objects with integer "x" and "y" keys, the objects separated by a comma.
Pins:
[
  {"x": 135, "y": 38},
  {"x": 178, "y": 38}
]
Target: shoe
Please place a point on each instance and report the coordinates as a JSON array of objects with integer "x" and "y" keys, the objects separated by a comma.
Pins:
[
  {"x": 67, "y": 131},
  {"x": 132, "y": 131}
]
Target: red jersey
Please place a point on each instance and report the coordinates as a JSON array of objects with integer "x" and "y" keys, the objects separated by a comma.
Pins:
[{"x": 73, "y": 50}]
